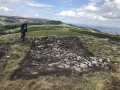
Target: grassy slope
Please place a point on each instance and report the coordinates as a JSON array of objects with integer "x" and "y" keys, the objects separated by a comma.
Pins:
[{"x": 105, "y": 48}]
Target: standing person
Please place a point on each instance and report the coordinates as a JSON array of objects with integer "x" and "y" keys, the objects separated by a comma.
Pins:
[{"x": 23, "y": 30}]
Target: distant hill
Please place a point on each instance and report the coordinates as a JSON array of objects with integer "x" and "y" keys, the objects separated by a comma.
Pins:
[
  {"x": 5, "y": 20},
  {"x": 105, "y": 29},
  {"x": 12, "y": 22},
  {"x": 86, "y": 28}
]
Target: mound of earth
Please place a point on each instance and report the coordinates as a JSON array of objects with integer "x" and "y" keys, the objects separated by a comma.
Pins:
[{"x": 58, "y": 56}]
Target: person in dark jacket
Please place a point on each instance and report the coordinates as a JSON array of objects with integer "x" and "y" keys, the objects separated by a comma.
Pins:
[{"x": 23, "y": 31}]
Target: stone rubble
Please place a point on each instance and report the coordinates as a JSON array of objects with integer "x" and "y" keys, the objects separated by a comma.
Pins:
[
  {"x": 61, "y": 53},
  {"x": 65, "y": 58}
]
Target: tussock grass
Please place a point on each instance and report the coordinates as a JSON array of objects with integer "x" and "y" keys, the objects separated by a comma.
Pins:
[
  {"x": 17, "y": 55},
  {"x": 97, "y": 34},
  {"x": 90, "y": 81},
  {"x": 100, "y": 47},
  {"x": 103, "y": 48}
]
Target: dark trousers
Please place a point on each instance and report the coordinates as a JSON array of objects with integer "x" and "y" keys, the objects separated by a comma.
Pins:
[{"x": 22, "y": 36}]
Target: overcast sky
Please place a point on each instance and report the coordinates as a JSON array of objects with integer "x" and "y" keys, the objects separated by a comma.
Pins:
[{"x": 92, "y": 12}]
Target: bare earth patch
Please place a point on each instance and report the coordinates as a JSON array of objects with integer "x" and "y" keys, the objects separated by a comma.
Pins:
[
  {"x": 4, "y": 55},
  {"x": 58, "y": 56}
]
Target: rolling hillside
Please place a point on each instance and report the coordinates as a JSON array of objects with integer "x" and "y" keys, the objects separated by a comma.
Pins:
[
  {"x": 5, "y": 20},
  {"x": 59, "y": 57}
]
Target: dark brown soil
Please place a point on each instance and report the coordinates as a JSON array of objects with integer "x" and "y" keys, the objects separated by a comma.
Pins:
[
  {"x": 3, "y": 60},
  {"x": 2, "y": 52}
]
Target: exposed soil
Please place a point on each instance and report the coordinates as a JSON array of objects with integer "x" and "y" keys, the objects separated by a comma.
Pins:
[
  {"x": 3, "y": 60},
  {"x": 58, "y": 56},
  {"x": 2, "y": 52}
]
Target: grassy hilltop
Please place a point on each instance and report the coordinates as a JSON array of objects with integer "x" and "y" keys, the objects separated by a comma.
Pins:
[{"x": 102, "y": 45}]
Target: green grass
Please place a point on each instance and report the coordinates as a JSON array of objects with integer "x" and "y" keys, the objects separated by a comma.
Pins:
[
  {"x": 46, "y": 30},
  {"x": 97, "y": 34},
  {"x": 63, "y": 30},
  {"x": 99, "y": 46}
]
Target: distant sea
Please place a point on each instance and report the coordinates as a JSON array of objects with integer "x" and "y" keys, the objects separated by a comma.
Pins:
[{"x": 106, "y": 29}]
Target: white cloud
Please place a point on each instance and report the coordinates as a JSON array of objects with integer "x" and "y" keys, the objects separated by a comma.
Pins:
[
  {"x": 111, "y": 9},
  {"x": 10, "y": 1},
  {"x": 108, "y": 11},
  {"x": 67, "y": 13},
  {"x": 36, "y": 15},
  {"x": 116, "y": 1},
  {"x": 99, "y": 18},
  {"x": 91, "y": 7},
  {"x": 95, "y": 1},
  {"x": 34, "y": 4},
  {"x": 5, "y": 9},
  {"x": 66, "y": 1},
  {"x": 31, "y": 3},
  {"x": 86, "y": 12},
  {"x": 81, "y": 15}
]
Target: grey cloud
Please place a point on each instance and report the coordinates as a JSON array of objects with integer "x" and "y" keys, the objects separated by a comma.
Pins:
[{"x": 108, "y": 11}]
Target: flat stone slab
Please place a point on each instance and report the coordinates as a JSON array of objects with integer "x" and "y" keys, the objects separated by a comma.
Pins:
[{"x": 58, "y": 56}]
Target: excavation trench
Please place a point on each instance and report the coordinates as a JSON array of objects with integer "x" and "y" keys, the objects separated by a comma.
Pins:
[{"x": 58, "y": 56}]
